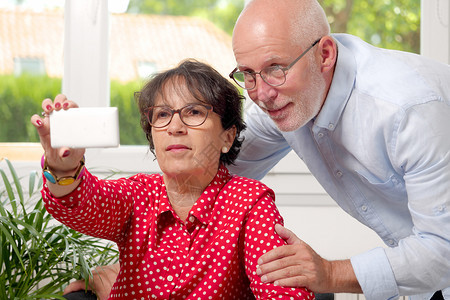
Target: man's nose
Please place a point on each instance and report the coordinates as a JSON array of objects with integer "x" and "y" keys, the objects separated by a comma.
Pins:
[{"x": 263, "y": 91}]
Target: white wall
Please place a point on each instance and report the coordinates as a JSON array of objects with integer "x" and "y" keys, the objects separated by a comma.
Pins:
[{"x": 434, "y": 30}]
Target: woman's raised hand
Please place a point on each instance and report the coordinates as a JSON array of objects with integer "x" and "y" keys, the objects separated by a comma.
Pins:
[{"x": 62, "y": 161}]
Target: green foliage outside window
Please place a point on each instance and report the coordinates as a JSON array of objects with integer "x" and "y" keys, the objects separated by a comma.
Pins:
[
  {"x": 392, "y": 24},
  {"x": 122, "y": 97},
  {"x": 21, "y": 97}
]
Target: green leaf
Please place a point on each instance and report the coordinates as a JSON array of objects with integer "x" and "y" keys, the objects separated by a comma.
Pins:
[
  {"x": 31, "y": 183},
  {"x": 12, "y": 242},
  {"x": 16, "y": 181},
  {"x": 34, "y": 248},
  {"x": 9, "y": 191}
]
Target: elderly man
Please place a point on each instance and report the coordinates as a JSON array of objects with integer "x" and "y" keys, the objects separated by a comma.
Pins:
[{"x": 372, "y": 125}]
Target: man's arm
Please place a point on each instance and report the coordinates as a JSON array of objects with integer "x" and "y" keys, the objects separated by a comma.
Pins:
[{"x": 298, "y": 265}]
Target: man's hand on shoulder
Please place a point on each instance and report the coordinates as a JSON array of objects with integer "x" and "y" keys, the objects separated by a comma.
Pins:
[{"x": 298, "y": 265}]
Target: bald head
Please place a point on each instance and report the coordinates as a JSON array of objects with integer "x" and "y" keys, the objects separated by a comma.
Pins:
[{"x": 300, "y": 21}]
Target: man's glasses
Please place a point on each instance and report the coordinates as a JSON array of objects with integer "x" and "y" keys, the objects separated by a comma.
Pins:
[
  {"x": 191, "y": 115},
  {"x": 272, "y": 75}
]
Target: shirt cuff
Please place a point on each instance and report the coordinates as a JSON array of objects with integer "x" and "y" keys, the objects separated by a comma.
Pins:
[{"x": 375, "y": 275}]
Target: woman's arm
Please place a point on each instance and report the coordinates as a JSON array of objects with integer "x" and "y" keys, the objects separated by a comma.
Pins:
[
  {"x": 99, "y": 208},
  {"x": 259, "y": 238}
]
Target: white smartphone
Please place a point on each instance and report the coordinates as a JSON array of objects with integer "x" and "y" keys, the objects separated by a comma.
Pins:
[{"x": 85, "y": 127}]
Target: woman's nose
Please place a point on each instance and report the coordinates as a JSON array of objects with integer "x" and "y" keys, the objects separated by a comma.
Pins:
[{"x": 176, "y": 125}]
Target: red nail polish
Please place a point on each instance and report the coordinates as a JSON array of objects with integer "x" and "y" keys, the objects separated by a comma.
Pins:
[
  {"x": 48, "y": 107},
  {"x": 39, "y": 122},
  {"x": 66, "y": 105},
  {"x": 66, "y": 153},
  {"x": 58, "y": 105}
]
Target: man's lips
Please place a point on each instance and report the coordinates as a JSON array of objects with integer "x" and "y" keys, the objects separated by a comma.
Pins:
[
  {"x": 177, "y": 147},
  {"x": 274, "y": 113}
]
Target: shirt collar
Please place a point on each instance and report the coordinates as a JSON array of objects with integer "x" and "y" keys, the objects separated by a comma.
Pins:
[
  {"x": 204, "y": 205},
  {"x": 340, "y": 89}
]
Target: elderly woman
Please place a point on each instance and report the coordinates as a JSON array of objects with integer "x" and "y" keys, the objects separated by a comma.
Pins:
[{"x": 194, "y": 232}]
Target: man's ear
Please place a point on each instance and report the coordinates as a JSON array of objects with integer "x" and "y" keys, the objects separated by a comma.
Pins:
[{"x": 328, "y": 53}]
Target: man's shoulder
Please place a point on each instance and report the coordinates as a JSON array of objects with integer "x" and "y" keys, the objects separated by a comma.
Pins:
[{"x": 400, "y": 78}]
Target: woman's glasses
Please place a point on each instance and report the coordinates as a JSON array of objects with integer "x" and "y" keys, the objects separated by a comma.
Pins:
[{"x": 191, "y": 115}]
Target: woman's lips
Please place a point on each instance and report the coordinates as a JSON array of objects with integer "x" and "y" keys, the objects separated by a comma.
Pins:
[{"x": 177, "y": 148}]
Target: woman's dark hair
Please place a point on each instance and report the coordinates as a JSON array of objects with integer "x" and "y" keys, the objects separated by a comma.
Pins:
[{"x": 206, "y": 85}]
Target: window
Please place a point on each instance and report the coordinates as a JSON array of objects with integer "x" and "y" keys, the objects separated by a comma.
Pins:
[
  {"x": 33, "y": 43},
  {"x": 33, "y": 66},
  {"x": 146, "y": 68}
]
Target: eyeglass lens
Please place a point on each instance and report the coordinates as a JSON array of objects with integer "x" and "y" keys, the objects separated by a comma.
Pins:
[
  {"x": 191, "y": 115},
  {"x": 272, "y": 75}
]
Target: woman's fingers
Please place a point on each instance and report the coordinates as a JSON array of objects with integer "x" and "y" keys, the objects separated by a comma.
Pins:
[
  {"x": 63, "y": 158},
  {"x": 60, "y": 102},
  {"x": 43, "y": 129}
]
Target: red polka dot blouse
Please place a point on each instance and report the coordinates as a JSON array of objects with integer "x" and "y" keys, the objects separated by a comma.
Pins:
[{"x": 211, "y": 255}]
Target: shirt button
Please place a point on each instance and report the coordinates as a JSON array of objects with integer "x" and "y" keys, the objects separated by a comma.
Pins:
[
  {"x": 339, "y": 174},
  {"x": 169, "y": 278},
  {"x": 191, "y": 219},
  {"x": 330, "y": 126},
  {"x": 320, "y": 134},
  {"x": 364, "y": 208},
  {"x": 391, "y": 242}
]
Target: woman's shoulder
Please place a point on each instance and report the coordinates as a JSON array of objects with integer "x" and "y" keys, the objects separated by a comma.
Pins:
[
  {"x": 146, "y": 178},
  {"x": 251, "y": 189}
]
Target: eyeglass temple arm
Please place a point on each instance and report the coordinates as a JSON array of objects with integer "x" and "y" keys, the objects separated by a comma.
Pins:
[
  {"x": 301, "y": 55},
  {"x": 231, "y": 74}
]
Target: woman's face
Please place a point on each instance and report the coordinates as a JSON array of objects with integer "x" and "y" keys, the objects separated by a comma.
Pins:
[{"x": 183, "y": 150}]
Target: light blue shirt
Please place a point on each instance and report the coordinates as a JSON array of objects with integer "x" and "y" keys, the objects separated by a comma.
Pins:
[{"x": 380, "y": 147}]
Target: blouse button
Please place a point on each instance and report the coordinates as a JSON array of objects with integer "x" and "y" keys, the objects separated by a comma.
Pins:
[
  {"x": 191, "y": 219},
  {"x": 169, "y": 278},
  {"x": 320, "y": 135}
]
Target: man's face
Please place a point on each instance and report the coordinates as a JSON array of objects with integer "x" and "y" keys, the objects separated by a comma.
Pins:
[{"x": 300, "y": 98}]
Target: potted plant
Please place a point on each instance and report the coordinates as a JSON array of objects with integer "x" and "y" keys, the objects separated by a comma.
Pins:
[{"x": 39, "y": 255}]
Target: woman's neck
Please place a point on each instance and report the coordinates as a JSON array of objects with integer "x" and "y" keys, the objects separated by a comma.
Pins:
[{"x": 184, "y": 190}]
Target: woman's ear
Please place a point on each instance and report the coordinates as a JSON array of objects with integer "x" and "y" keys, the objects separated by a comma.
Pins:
[
  {"x": 229, "y": 135},
  {"x": 328, "y": 53}
]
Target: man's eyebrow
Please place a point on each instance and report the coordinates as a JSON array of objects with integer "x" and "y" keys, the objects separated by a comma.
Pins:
[{"x": 266, "y": 63}]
